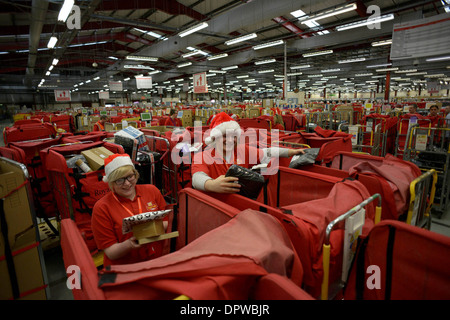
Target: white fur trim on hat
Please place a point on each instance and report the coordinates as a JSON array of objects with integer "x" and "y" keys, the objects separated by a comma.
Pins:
[
  {"x": 223, "y": 124},
  {"x": 114, "y": 162}
]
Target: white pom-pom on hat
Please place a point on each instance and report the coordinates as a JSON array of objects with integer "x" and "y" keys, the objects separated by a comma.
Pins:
[{"x": 222, "y": 124}]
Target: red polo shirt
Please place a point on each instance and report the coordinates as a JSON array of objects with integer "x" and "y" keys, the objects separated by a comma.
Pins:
[
  {"x": 214, "y": 165},
  {"x": 107, "y": 216}
]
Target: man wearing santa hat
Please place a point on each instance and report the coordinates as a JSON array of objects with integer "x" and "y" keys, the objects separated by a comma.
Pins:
[
  {"x": 125, "y": 199},
  {"x": 210, "y": 166}
]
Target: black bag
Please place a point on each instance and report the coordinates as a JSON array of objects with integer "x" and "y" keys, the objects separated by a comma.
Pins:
[
  {"x": 251, "y": 182},
  {"x": 308, "y": 158}
]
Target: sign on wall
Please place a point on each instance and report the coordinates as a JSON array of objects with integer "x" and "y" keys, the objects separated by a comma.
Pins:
[
  {"x": 144, "y": 82},
  {"x": 200, "y": 83},
  {"x": 62, "y": 95}
]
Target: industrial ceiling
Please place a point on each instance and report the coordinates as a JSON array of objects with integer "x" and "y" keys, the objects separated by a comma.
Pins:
[{"x": 110, "y": 31}]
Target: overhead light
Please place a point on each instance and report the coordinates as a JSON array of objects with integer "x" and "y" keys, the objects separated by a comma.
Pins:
[
  {"x": 352, "y": 60},
  {"x": 55, "y": 62},
  {"x": 184, "y": 65},
  {"x": 218, "y": 56},
  {"x": 268, "y": 44},
  {"x": 440, "y": 75},
  {"x": 317, "y": 53},
  {"x": 141, "y": 58},
  {"x": 240, "y": 39},
  {"x": 330, "y": 70},
  {"x": 265, "y": 61},
  {"x": 331, "y": 13},
  {"x": 406, "y": 71},
  {"x": 386, "y": 69},
  {"x": 154, "y": 72},
  {"x": 47, "y": 73},
  {"x": 96, "y": 78},
  {"x": 366, "y": 22},
  {"x": 241, "y": 77},
  {"x": 193, "y": 53},
  {"x": 381, "y": 43},
  {"x": 380, "y": 65},
  {"x": 151, "y": 33},
  {"x": 230, "y": 68},
  {"x": 315, "y": 75},
  {"x": 438, "y": 59},
  {"x": 112, "y": 57},
  {"x": 193, "y": 29},
  {"x": 217, "y": 71},
  {"x": 266, "y": 71},
  {"x": 65, "y": 10},
  {"x": 137, "y": 66},
  {"x": 52, "y": 42},
  {"x": 415, "y": 73},
  {"x": 363, "y": 74},
  {"x": 301, "y": 66},
  {"x": 294, "y": 74}
]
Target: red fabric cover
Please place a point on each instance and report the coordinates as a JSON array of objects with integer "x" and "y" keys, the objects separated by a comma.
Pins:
[
  {"x": 394, "y": 178},
  {"x": 420, "y": 263},
  {"x": 307, "y": 225},
  {"x": 275, "y": 287},
  {"x": 75, "y": 253},
  {"x": 215, "y": 266},
  {"x": 290, "y": 186},
  {"x": 27, "y": 132},
  {"x": 254, "y": 123},
  {"x": 195, "y": 206}
]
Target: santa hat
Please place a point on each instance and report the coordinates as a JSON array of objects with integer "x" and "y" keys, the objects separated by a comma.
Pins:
[
  {"x": 222, "y": 124},
  {"x": 114, "y": 162}
]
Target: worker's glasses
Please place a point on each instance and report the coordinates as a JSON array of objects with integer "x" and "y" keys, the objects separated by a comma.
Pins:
[{"x": 130, "y": 179}]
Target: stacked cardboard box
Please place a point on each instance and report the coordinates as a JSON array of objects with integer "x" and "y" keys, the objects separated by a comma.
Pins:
[{"x": 22, "y": 274}]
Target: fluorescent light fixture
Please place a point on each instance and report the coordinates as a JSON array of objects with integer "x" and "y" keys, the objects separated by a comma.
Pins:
[
  {"x": 380, "y": 65},
  {"x": 416, "y": 73},
  {"x": 51, "y": 68},
  {"x": 331, "y": 13},
  {"x": 154, "y": 72},
  {"x": 294, "y": 74},
  {"x": 193, "y": 53},
  {"x": 351, "y": 60},
  {"x": 331, "y": 70},
  {"x": 141, "y": 58},
  {"x": 137, "y": 66},
  {"x": 96, "y": 78},
  {"x": 317, "y": 53},
  {"x": 268, "y": 44},
  {"x": 217, "y": 71},
  {"x": 386, "y": 69},
  {"x": 230, "y": 68},
  {"x": 406, "y": 71},
  {"x": 438, "y": 59},
  {"x": 266, "y": 71},
  {"x": 265, "y": 61},
  {"x": 65, "y": 10},
  {"x": 304, "y": 66},
  {"x": 241, "y": 77},
  {"x": 52, "y": 42},
  {"x": 55, "y": 62},
  {"x": 193, "y": 29},
  {"x": 240, "y": 39},
  {"x": 151, "y": 33},
  {"x": 47, "y": 73},
  {"x": 363, "y": 74},
  {"x": 440, "y": 75},
  {"x": 184, "y": 65},
  {"x": 381, "y": 43},
  {"x": 315, "y": 75},
  {"x": 114, "y": 58},
  {"x": 218, "y": 56},
  {"x": 366, "y": 22}
]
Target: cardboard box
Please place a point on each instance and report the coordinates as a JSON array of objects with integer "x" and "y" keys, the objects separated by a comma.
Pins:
[
  {"x": 22, "y": 240},
  {"x": 96, "y": 157}
]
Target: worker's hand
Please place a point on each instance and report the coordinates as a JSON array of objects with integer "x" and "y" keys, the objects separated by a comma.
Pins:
[
  {"x": 293, "y": 152},
  {"x": 133, "y": 243},
  {"x": 223, "y": 184}
]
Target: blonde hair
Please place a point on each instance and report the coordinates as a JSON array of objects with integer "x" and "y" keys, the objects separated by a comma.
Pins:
[{"x": 121, "y": 172}]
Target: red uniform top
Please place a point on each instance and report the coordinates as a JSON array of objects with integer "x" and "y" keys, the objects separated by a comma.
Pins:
[
  {"x": 214, "y": 165},
  {"x": 107, "y": 218},
  {"x": 173, "y": 122},
  {"x": 98, "y": 127}
]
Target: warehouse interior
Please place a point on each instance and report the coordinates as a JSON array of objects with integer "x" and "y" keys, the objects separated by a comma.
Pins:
[{"x": 291, "y": 55}]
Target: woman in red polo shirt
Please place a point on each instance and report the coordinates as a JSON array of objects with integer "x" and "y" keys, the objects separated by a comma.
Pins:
[{"x": 125, "y": 199}]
